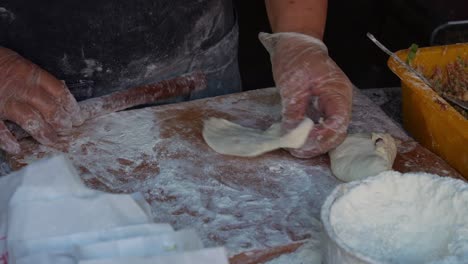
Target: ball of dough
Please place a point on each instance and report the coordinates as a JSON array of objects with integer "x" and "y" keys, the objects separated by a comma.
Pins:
[{"x": 363, "y": 155}]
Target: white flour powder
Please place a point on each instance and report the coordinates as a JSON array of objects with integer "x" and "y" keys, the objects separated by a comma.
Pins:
[{"x": 405, "y": 218}]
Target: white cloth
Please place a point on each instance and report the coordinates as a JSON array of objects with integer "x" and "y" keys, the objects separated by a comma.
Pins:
[
  {"x": 148, "y": 246},
  {"x": 203, "y": 256},
  {"x": 47, "y": 215},
  {"x": 52, "y": 211}
]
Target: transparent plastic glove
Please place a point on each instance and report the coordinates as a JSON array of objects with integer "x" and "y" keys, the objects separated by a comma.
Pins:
[
  {"x": 310, "y": 84},
  {"x": 33, "y": 99}
]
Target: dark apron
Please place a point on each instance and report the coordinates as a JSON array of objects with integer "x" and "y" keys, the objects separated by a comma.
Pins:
[{"x": 102, "y": 46}]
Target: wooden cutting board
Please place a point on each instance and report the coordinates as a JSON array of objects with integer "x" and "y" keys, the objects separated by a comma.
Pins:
[{"x": 259, "y": 205}]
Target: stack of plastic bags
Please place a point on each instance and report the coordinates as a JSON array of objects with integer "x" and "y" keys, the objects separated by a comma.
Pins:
[{"x": 47, "y": 215}]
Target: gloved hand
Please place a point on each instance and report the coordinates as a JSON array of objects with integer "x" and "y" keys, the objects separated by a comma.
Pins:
[
  {"x": 310, "y": 84},
  {"x": 33, "y": 99}
]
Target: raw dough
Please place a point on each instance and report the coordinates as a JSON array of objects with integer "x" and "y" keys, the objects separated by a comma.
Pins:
[
  {"x": 404, "y": 218},
  {"x": 363, "y": 155},
  {"x": 232, "y": 139}
]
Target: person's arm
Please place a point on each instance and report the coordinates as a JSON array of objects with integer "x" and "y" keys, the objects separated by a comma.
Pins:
[{"x": 302, "y": 16}]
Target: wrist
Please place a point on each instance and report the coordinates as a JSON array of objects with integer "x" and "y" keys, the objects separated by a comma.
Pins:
[
  {"x": 315, "y": 33},
  {"x": 271, "y": 41},
  {"x": 301, "y": 16}
]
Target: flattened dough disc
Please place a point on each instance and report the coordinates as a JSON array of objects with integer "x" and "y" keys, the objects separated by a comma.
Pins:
[{"x": 229, "y": 138}]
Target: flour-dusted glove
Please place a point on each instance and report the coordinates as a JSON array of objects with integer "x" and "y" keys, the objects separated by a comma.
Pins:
[
  {"x": 310, "y": 84},
  {"x": 33, "y": 99}
]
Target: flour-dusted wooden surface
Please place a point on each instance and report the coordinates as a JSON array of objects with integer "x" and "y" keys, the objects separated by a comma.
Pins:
[{"x": 262, "y": 205}]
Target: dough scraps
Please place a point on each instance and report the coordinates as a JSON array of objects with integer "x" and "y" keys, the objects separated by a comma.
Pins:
[
  {"x": 229, "y": 138},
  {"x": 363, "y": 155}
]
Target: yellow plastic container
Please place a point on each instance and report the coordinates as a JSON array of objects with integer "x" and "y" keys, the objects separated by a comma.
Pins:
[{"x": 427, "y": 116}]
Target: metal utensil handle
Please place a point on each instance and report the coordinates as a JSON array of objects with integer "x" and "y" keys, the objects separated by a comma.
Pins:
[
  {"x": 460, "y": 103},
  {"x": 394, "y": 56}
]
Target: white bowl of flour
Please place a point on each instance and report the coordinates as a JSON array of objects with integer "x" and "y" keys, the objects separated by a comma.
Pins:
[{"x": 397, "y": 218}]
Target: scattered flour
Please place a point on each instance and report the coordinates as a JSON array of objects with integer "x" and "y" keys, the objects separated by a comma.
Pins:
[
  {"x": 242, "y": 204},
  {"x": 92, "y": 66},
  {"x": 309, "y": 253},
  {"x": 405, "y": 218}
]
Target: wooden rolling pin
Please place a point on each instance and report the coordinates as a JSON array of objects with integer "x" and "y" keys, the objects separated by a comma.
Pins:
[{"x": 121, "y": 100}]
